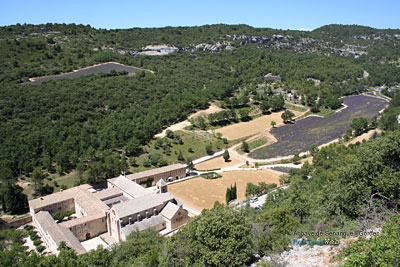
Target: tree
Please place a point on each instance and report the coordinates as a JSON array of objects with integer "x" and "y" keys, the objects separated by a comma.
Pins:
[
  {"x": 231, "y": 193},
  {"x": 218, "y": 237},
  {"x": 296, "y": 159},
  {"x": 133, "y": 147},
  {"x": 244, "y": 114},
  {"x": 277, "y": 102},
  {"x": 228, "y": 195},
  {"x": 250, "y": 190},
  {"x": 133, "y": 162},
  {"x": 154, "y": 158},
  {"x": 287, "y": 116},
  {"x": 359, "y": 125},
  {"x": 190, "y": 165},
  {"x": 265, "y": 106},
  {"x": 202, "y": 123},
  {"x": 313, "y": 149},
  {"x": 180, "y": 156},
  {"x": 209, "y": 149},
  {"x": 123, "y": 164},
  {"x": 140, "y": 249},
  {"x": 169, "y": 134},
  {"x": 245, "y": 147},
  {"x": 37, "y": 177},
  {"x": 382, "y": 250},
  {"x": 276, "y": 226},
  {"x": 12, "y": 198},
  {"x": 273, "y": 124},
  {"x": 226, "y": 155}
]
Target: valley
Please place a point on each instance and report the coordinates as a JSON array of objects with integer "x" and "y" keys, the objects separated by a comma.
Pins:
[{"x": 256, "y": 133}]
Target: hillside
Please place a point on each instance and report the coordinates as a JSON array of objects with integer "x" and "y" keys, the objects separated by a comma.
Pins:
[
  {"x": 89, "y": 128},
  {"x": 219, "y": 58}
]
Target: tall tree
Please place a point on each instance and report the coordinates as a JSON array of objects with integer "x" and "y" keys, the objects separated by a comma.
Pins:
[
  {"x": 226, "y": 155},
  {"x": 245, "y": 147}
]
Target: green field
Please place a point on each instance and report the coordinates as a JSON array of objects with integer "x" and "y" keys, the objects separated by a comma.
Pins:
[
  {"x": 254, "y": 144},
  {"x": 294, "y": 107},
  {"x": 196, "y": 140},
  {"x": 257, "y": 143}
]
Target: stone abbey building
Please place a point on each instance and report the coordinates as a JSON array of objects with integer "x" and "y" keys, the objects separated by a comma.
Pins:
[
  {"x": 167, "y": 173},
  {"x": 124, "y": 206}
]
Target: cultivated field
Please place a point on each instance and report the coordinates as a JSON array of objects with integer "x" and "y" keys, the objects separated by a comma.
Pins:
[
  {"x": 216, "y": 163},
  {"x": 200, "y": 193},
  {"x": 298, "y": 137},
  {"x": 105, "y": 68},
  {"x": 248, "y": 128}
]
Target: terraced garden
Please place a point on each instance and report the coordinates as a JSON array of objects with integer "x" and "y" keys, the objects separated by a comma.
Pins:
[
  {"x": 298, "y": 137},
  {"x": 104, "y": 68}
]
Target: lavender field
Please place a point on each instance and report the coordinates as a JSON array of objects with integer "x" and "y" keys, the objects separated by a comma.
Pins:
[
  {"x": 105, "y": 68},
  {"x": 298, "y": 137}
]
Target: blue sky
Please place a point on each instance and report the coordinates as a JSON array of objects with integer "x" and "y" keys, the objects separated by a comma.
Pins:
[{"x": 279, "y": 14}]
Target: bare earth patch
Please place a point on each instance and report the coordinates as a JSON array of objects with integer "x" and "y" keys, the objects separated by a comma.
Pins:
[
  {"x": 216, "y": 163},
  {"x": 364, "y": 136},
  {"x": 181, "y": 125},
  {"x": 200, "y": 193},
  {"x": 211, "y": 110},
  {"x": 309, "y": 160},
  {"x": 248, "y": 128}
]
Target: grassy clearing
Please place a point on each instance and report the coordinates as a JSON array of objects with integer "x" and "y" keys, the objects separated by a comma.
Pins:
[
  {"x": 55, "y": 180},
  {"x": 194, "y": 145},
  {"x": 257, "y": 143},
  {"x": 68, "y": 181},
  {"x": 294, "y": 107},
  {"x": 322, "y": 112}
]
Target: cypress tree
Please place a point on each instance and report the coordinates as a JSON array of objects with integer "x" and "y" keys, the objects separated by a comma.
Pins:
[{"x": 228, "y": 195}]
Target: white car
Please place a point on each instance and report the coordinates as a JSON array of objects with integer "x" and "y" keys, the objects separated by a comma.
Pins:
[{"x": 253, "y": 199}]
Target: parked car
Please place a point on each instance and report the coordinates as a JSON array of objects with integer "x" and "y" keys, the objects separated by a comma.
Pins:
[{"x": 253, "y": 199}]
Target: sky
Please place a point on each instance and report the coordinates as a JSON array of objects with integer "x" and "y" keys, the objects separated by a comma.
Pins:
[{"x": 278, "y": 14}]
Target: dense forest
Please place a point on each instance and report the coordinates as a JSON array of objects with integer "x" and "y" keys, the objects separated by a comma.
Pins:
[
  {"x": 57, "y": 124},
  {"x": 96, "y": 124}
]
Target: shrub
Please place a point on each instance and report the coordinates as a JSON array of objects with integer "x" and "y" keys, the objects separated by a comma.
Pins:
[
  {"x": 382, "y": 250},
  {"x": 28, "y": 227},
  {"x": 147, "y": 183},
  {"x": 209, "y": 149},
  {"x": 59, "y": 216},
  {"x": 146, "y": 163},
  {"x": 37, "y": 242},
  {"x": 211, "y": 175},
  {"x": 31, "y": 232},
  {"x": 40, "y": 248}
]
